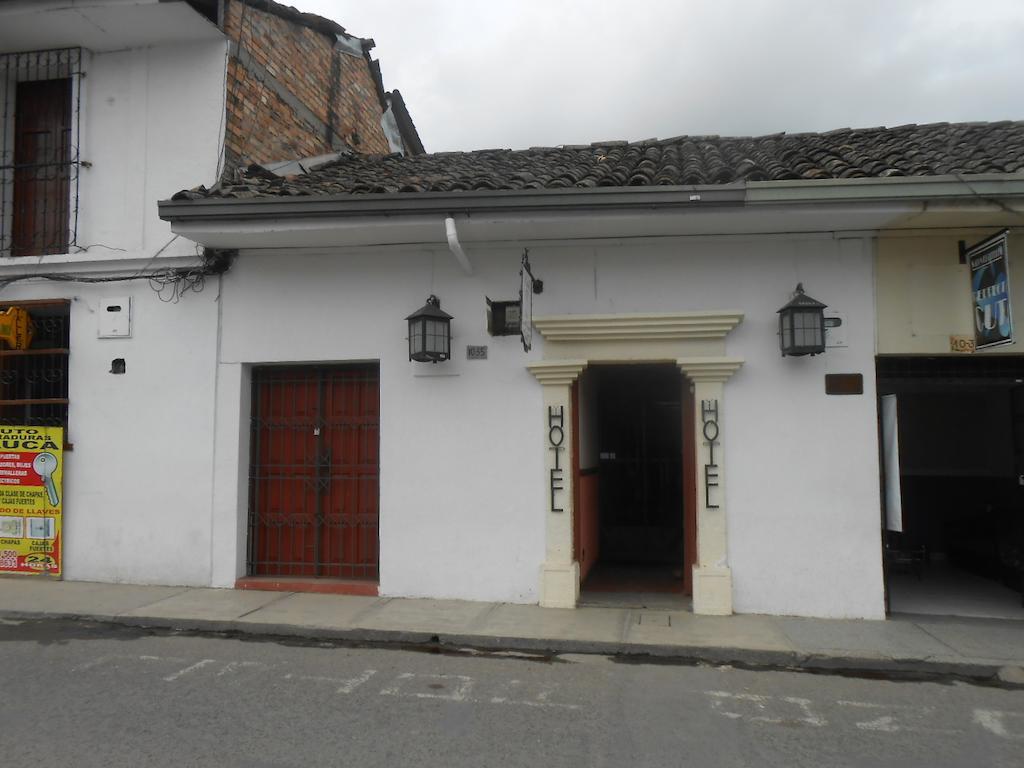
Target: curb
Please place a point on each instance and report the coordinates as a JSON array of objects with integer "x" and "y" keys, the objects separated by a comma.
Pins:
[{"x": 996, "y": 673}]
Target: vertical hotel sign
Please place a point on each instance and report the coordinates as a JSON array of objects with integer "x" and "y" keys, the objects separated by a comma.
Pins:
[
  {"x": 31, "y": 499},
  {"x": 990, "y": 292}
]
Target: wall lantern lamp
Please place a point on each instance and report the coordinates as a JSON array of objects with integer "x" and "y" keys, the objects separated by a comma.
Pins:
[
  {"x": 430, "y": 333},
  {"x": 802, "y": 325}
]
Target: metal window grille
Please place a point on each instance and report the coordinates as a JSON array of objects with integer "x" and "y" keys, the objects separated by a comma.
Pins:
[
  {"x": 40, "y": 98},
  {"x": 34, "y": 382}
]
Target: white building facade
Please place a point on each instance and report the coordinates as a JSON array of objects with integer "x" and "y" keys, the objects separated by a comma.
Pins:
[
  {"x": 147, "y": 98},
  {"x": 271, "y": 431},
  {"x": 108, "y": 106},
  {"x": 480, "y": 456},
  {"x": 786, "y": 507}
]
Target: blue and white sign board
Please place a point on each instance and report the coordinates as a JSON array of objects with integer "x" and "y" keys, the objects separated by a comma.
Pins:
[{"x": 990, "y": 292}]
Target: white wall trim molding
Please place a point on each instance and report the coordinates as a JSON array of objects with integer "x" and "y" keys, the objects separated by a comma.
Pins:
[
  {"x": 709, "y": 369},
  {"x": 555, "y": 372},
  {"x": 90, "y": 263},
  {"x": 638, "y": 327}
]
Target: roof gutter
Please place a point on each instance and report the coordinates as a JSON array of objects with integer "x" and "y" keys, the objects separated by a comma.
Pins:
[
  {"x": 892, "y": 188},
  {"x": 825, "y": 191},
  {"x": 446, "y": 203}
]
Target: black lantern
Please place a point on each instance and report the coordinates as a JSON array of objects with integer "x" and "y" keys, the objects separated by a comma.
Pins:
[
  {"x": 802, "y": 325},
  {"x": 430, "y": 333}
]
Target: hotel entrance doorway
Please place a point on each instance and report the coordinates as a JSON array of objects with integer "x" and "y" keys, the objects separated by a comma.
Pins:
[{"x": 635, "y": 530}]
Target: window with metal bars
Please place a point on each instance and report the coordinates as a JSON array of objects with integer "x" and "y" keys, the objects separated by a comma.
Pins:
[
  {"x": 34, "y": 381},
  {"x": 39, "y": 161}
]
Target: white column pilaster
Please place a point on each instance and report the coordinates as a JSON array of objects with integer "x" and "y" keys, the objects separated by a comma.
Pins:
[
  {"x": 712, "y": 577},
  {"x": 560, "y": 574}
]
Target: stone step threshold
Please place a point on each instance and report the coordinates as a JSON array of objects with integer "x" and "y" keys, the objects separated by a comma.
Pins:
[{"x": 362, "y": 587}]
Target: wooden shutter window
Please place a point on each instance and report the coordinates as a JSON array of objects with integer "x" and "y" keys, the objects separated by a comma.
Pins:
[{"x": 42, "y": 167}]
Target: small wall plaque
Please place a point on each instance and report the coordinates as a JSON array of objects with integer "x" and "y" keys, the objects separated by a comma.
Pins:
[
  {"x": 844, "y": 384},
  {"x": 961, "y": 344},
  {"x": 476, "y": 352}
]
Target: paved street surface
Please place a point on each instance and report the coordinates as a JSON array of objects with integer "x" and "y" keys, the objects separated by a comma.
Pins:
[
  {"x": 923, "y": 646},
  {"x": 82, "y": 694}
]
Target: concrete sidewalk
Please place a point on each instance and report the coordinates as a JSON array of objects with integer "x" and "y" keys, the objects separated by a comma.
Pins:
[{"x": 979, "y": 649}]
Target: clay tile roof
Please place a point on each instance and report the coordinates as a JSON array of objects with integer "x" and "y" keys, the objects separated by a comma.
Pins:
[{"x": 846, "y": 153}]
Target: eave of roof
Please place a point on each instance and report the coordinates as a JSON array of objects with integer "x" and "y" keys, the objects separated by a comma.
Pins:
[
  {"x": 932, "y": 151},
  {"x": 808, "y": 192}
]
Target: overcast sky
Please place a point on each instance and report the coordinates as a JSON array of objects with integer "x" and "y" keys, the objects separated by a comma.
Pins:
[{"x": 478, "y": 74}]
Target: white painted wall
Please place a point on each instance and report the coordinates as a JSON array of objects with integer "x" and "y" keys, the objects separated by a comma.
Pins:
[
  {"x": 461, "y": 507},
  {"x": 462, "y": 481},
  {"x": 152, "y": 124},
  {"x": 138, "y": 483},
  {"x": 801, "y": 478},
  {"x": 924, "y": 293}
]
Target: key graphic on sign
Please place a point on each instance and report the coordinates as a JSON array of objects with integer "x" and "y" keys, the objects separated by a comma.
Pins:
[{"x": 45, "y": 464}]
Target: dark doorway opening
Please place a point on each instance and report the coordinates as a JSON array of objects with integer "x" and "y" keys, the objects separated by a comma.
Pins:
[
  {"x": 632, "y": 459},
  {"x": 954, "y": 532}
]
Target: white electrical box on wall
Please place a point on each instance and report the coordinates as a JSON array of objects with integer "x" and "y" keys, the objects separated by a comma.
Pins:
[
  {"x": 115, "y": 318},
  {"x": 835, "y": 329}
]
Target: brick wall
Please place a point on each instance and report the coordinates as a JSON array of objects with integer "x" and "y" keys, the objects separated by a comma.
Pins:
[{"x": 292, "y": 93}]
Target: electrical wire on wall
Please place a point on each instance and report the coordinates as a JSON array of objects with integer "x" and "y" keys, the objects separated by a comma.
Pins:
[{"x": 170, "y": 284}]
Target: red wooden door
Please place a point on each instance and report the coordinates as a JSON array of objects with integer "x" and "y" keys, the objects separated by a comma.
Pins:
[
  {"x": 313, "y": 507},
  {"x": 42, "y": 140}
]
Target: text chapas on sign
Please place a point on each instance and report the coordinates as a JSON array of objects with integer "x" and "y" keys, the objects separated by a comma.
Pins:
[
  {"x": 709, "y": 428},
  {"x": 556, "y": 438},
  {"x": 31, "y": 474}
]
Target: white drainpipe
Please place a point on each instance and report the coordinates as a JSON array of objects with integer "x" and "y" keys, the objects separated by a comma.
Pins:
[{"x": 455, "y": 246}]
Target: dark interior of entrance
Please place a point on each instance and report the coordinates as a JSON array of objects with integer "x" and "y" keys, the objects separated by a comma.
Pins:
[
  {"x": 961, "y": 468},
  {"x": 632, "y": 443}
]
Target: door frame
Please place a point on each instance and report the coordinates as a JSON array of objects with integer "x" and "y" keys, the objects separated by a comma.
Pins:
[
  {"x": 317, "y": 372},
  {"x": 695, "y": 342},
  {"x": 689, "y": 486},
  {"x": 689, "y": 474}
]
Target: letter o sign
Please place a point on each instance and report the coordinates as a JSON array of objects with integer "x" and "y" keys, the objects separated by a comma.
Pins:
[
  {"x": 555, "y": 429},
  {"x": 710, "y": 430}
]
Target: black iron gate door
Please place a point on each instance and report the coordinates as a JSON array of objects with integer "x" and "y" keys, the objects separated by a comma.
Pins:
[{"x": 313, "y": 481}]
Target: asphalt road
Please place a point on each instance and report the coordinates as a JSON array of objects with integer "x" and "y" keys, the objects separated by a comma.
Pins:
[{"x": 78, "y": 694}]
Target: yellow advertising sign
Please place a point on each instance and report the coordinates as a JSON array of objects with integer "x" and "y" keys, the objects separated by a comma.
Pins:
[{"x": 31, "y": 499}]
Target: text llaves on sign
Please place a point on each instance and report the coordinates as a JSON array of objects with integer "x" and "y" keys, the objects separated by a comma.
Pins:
[
  {"x": 990, "y": 291},
  {"x": 526, "y": 302},
  {"x": 31, "y": 499}
]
